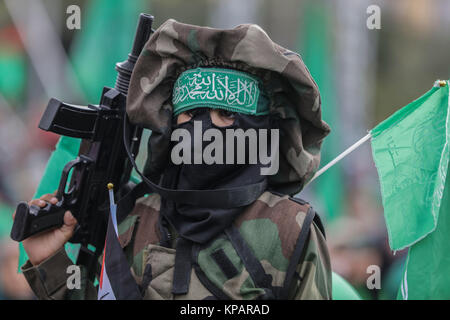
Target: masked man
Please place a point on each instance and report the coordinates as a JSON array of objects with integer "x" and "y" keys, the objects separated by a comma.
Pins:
[{"x": 236, "y": 130}]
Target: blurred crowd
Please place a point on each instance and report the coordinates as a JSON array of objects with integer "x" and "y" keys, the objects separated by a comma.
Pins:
[{"x": 364, "y": 76}]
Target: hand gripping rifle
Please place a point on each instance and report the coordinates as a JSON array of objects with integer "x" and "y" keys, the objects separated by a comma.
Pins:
[{"x": 102, "y": 159}]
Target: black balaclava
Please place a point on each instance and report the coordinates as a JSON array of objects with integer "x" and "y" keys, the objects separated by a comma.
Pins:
[{"x": 200, "y": 224}]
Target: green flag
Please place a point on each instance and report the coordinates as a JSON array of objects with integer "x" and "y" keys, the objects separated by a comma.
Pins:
[
  {"x": 12, "y": 75},
  {"x": 342, "y": 290},
  {"x": 106, "y": 38},
  {"x": 411, "y": 153},
  {"x": 316, "y": 39},
  {"x": 5, "y": 220}
]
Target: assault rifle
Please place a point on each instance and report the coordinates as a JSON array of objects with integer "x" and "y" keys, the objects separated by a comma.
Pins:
[{"x": 102, "y": 159}]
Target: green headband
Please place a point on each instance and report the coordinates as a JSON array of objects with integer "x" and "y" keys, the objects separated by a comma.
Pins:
[{"x": 216, "y": 88}]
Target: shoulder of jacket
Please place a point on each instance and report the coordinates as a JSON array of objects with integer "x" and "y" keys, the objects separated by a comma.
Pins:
[
  {"x": 144, "y": 215},
  {"x": 305, "y": 204},
  {"x": 271, "y": 226},
  {"x": 276, "y": 207}
]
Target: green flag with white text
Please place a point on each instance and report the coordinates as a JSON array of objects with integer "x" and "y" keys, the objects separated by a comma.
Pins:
[{"x": 411, "y": 153}]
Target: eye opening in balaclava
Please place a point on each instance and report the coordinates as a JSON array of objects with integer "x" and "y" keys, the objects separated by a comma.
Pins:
[{"x": 219, "y": 117}]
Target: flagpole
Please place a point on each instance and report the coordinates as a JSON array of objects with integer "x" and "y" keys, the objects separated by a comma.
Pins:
[
  {"x": 341, "y": 156},
  {"x": 112, "y": 206},
  {"x": 437, "y": 83}
]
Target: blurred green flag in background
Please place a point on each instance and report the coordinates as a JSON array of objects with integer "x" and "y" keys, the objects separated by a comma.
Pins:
[
  {"x": 316, "y": 49},
  {"x": 411, "y": 153},
  {"x": 5, "y": 220},
  {"x": 105, "y": 38},
  {"x": 12, "y": 75}
]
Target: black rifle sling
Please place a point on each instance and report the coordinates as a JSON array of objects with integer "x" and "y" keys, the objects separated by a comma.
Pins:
[
  {"x": 297, "y": 254},
  {"x": 126, "y": 204},
  {"x": 302, "y": 202},
  {"x": 182, "y": 267},
  {"x": 316, "y": 219},
  {"x": 254, "y": 267},
  {"x": 218, "y": 198}
]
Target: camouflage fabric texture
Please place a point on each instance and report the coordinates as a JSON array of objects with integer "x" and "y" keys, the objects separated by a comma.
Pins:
[
  {"x": 295, "y": 100},
  {"x": 270, "y": 227}
]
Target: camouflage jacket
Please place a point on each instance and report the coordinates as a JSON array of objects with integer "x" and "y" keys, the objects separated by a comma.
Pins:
[{"x": 270, "y": 227}]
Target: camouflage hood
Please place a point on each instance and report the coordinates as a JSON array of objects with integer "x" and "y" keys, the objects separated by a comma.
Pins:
[{"x": 294, "y": 96}]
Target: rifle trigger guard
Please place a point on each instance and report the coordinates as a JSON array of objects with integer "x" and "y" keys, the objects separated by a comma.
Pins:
[{"x": 65, "y": 176}]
